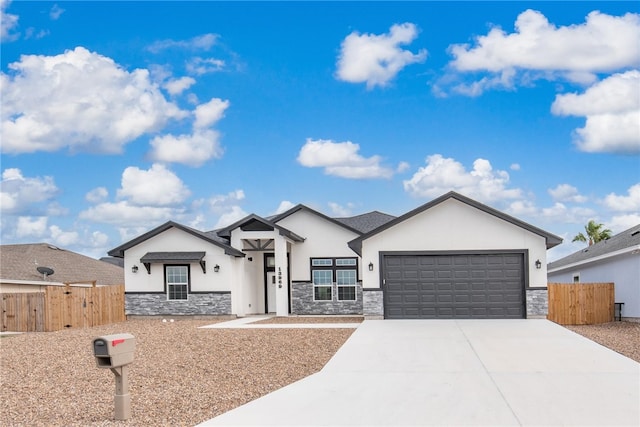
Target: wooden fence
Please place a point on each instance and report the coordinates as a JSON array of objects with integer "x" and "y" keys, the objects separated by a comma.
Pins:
[
  {"x": 581, "y": 303},
  {"x": 61, "y": 307}
]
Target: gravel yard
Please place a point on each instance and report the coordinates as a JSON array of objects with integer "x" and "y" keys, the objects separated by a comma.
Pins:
[
  {"x": 623, "y": 337},
  {"x": 182, "y": 375}
]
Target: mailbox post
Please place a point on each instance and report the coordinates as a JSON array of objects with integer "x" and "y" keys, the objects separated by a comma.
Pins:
[{"x": 115, "y": 352}]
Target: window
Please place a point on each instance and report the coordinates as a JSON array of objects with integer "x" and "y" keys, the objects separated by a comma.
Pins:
[
  {"x": 322, "y": 285},
  {"x": 177, "y": 277},
  {"x": 346, "y": 280},
  {"x": 329, "y": 272},
  {"x": 576, "y": 278}
]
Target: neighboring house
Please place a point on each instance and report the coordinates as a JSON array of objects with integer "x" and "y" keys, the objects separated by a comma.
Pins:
[
  {"x": 614, "y": 260},
  {"x": 27, "y": 268},
  {"x": 450, "y": 258}
]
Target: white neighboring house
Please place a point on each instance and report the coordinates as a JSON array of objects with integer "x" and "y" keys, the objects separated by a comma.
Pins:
[
  {"x": 450, "y": 258},
  {"x": 614, "y": 260}
]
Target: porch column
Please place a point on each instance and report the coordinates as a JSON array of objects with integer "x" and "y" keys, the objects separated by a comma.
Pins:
[{"x": 282, "y": 277}]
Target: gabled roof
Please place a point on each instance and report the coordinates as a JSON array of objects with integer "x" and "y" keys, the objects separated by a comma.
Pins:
[
  {"x": 19, "y": 262},
  {"x": 300, "y": 207},
  {"x": 366, "y": 222},
  {"x": 119, "y": 251},
  {"x": 256, "y": 223},
  {"x": 627, "y": 241},
  {"x": 551, "y": 239}
]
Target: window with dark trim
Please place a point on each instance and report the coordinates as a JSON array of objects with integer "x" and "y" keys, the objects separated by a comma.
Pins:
[
  {"x": 177, "y": 282},
  {"x": 341, "y": 272}
]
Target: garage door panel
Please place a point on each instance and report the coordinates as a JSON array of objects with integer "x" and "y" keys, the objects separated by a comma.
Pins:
[{"x": 454, "y": 286}]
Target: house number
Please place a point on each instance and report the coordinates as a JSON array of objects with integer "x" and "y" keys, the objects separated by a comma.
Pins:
[{"x": 279, "y": 277}]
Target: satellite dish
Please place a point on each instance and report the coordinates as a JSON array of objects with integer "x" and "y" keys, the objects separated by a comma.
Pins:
[{"x": 45, "y": 271}]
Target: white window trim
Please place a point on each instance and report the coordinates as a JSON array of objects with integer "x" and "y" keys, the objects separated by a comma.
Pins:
[
  {"x": 353, "y": 285},
  {"x": 177, "y": 284},
  {"x": 322, "y": 285}
]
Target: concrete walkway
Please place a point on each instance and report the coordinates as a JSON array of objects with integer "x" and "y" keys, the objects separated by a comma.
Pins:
[
  {"x": 457, "y": 372},
  {"x": 251, "y": 322}
]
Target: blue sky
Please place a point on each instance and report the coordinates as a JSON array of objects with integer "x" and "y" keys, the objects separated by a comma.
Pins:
[{"x": 119, "y": 116}]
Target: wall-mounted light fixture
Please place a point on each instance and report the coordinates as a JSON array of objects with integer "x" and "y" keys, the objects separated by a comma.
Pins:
[
  {"x": 216, "y": 268},
  {"x": 134, "y": 269},
  {"x": 250, "y": 259},
  {"x": 538, "y": 264},
  {"x": 370, "y": 266}
]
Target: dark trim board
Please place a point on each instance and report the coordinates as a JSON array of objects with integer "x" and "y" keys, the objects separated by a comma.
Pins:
[{"x": 449, "y": 284}]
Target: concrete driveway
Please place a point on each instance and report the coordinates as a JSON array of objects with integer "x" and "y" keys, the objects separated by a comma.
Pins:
[{"x": 457, "y": 372}]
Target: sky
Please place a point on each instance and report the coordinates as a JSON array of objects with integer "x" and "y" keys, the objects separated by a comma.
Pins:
[{"x": 119, "y": 116}]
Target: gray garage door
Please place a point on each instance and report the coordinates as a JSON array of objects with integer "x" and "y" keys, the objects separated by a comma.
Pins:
[{"x": 465, "y": 286}]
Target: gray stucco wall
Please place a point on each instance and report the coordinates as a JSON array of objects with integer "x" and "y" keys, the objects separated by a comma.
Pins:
[
  {"x": 537, "y": 302},
  {"x": 302, "y": 301},
  {"x": 154, "y": 304}
]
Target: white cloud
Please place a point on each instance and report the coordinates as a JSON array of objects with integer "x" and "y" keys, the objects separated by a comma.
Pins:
[
  {"x": 628, "y": 203},
  {"x": 612, "y": 109},
  {"x": 620, "y": 223},
  {"x": 20, "y": 194},
  {"x": 566, "y": 193},
  {"x": 522, "y": 208},
  {"x": 124, "y": 213},
  {"x": 341, "y": 159},
  {"x": 284, "y": 206},
  {"x": 227, "y": 207},
  {"x": 8, "y": 22},
  {"x": 200, "y": 66},
  {"x": 157, "y": 186},
  {"x": 196, "y": 148},
  {"x": 33, "y": 33},
  {"x": 377, "y": 59},
  {"x": 63, "y": 238},
  {"x": 338, "y": 210},
  {"x": 224, "y": 202},
  {"x": 442, "y": 175},
  {"x": 80, "y": 100},
  {"x": 97, "y": 195},
  {"x": 202, "y": 42},
  {"x": 55, "y": 12},
  {"x": 515, "y": 167},
  {"x": 210, "y": 113},
  {"x": 31, "y": 227},
  {"x": 190, "y": 149},
  {"x": 177, "y": 86},
  {"x": 603, "y": 43},
  {"x": 403, "y": 167},
  {"x": 236, "y": 213},
  {"x": 560, "y": 213}
]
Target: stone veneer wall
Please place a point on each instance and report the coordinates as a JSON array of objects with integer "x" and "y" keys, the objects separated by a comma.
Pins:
[
  {"x": 372, "y": 301},
  {"x": 302, "y": 301},
  {"x": 154, "y": 304},
  {"x": 537, "y": 302}
]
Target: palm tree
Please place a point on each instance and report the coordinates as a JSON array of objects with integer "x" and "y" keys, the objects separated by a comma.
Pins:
[{"x": 594, "y": 232}]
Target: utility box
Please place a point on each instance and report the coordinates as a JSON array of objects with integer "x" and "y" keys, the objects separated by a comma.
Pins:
[{"x": 112, "y": 351}]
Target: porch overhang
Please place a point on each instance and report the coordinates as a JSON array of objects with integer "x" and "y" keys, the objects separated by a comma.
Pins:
[{"x": 173, "y": 257}]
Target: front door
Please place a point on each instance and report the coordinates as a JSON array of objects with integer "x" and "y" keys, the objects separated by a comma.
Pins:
[{"x": 271, "y": 291}]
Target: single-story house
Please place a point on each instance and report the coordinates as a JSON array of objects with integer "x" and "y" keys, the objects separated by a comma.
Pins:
[
  {"x": 616, "y": 260},
  {"x": 449, "y": 258},
  {"x": 32, "y": 267}
]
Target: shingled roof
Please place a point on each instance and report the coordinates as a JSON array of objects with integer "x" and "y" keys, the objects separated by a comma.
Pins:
[
  {"x": 366, "y": 222},
  {"x": 628, "y": 239},
  {"x": 19, "y": 262}
]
